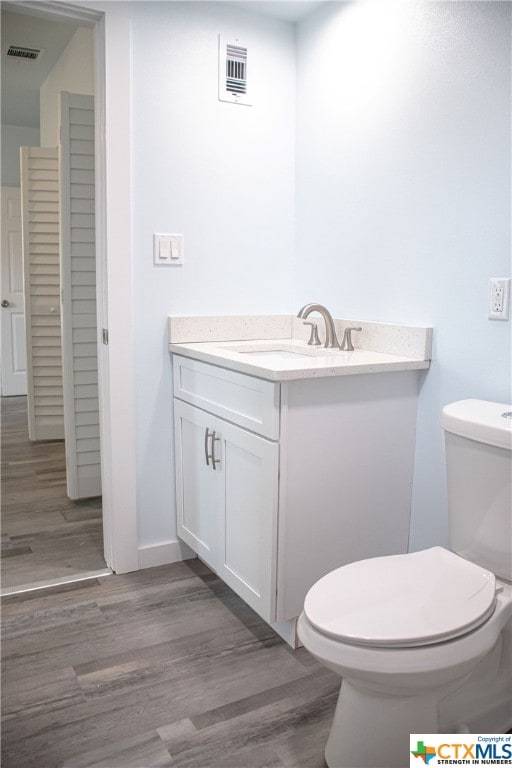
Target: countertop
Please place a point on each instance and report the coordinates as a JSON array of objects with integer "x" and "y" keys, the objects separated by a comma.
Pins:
[{"x": 286, "y": 365}]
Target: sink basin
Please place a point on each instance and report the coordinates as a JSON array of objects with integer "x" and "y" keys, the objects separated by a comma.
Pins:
[
  {"x": 273, "y": 351},
  {"x": 274, "y": 354}
]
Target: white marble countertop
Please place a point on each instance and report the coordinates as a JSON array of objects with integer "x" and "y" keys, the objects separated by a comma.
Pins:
[
  {"x": 287, "y": 359},
  {"x": 250, "y": 343}
]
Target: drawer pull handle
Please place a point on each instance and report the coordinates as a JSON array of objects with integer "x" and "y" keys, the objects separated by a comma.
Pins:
[{"x": 207, "y": 455}]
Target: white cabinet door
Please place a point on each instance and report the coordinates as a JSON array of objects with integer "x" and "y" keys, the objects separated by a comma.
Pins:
[
  {"x": 196, "y": 481},
  {"x": 248, "y": 516},
  {"x": 227, "y": 495}
]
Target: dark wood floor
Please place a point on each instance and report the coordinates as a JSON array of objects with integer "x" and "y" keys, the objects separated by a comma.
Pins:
[
  {"x": 44, "y": 535},
  {"x": 164, "y": 667}
]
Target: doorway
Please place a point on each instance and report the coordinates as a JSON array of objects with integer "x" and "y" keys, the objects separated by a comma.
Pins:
[
  {"x": 46, "y": 535},
  {"x": 111, "y": 23}
]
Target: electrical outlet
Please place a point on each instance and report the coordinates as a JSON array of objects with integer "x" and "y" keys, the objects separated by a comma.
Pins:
[{"x": 499, "y": 298}]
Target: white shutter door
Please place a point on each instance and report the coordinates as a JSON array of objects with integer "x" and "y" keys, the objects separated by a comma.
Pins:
[
  {"x": 40, "y": 243},
  {"x": 78, "y": 275}
]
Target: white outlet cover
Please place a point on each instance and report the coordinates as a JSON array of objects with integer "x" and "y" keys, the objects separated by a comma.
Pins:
[{"x": 499, "y": 298}]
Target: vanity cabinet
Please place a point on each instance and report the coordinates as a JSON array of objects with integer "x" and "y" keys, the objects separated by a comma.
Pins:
[{"x": 280, "y": 482}]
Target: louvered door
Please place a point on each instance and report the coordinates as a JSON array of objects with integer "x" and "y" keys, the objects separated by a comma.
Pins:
[
  {"x": 40, "y": 244},
  {"x": 78, "y": 276}
]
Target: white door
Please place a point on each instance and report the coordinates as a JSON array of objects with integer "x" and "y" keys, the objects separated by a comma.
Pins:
[
  {"x": 78, "y": 309},
  {"x": 40, "y": 238},
  {"x": 248, "y": 503},
  {"x": 14, "y": 355},
  {"x": 196, "y": 481}
]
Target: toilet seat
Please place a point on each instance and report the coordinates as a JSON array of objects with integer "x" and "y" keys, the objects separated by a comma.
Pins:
[{"x": 402, "y": 601}]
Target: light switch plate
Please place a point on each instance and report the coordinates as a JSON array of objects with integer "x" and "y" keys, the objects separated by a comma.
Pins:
[{"x": 167, "y": 249}]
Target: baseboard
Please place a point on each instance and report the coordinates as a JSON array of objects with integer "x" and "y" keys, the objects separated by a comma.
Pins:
[
  {"x": 164, "y": 554},
  {"x": 288, "y": 631}
]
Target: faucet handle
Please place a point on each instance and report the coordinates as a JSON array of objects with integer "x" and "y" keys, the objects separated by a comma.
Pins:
[
  {"x": 314, "y": 341},
  {"x": 346, "y": 345}
]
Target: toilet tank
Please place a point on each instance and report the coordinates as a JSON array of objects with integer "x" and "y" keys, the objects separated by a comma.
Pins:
[{"x": 478, "y": 438}]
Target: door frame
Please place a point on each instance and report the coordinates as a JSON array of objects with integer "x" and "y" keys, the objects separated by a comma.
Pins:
[{"x": 116, "y": 371}]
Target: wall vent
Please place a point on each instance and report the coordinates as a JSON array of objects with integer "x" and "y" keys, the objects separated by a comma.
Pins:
[
  {"x": 236, "y": 69},
  {"x": 233, "y": 71},
  {"x": 21, "y": 52}
]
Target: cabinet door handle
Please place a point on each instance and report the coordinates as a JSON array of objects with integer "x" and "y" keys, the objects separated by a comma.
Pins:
[
  {"x": 207, "y": 456},
  {"x": 212, "y": 457}
]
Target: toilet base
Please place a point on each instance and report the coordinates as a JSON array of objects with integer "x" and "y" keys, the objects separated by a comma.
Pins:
[{"x": 369, "y": 730}]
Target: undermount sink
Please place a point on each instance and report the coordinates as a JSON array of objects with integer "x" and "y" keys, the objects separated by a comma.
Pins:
[
  {"x": 281, "y": 354},
  {"x": 276, "y": 351}
]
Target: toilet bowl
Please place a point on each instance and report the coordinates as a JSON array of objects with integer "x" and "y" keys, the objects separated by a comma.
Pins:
[
  {"x": 423, "y": 641},
  {"x": 403, "y": 632}
]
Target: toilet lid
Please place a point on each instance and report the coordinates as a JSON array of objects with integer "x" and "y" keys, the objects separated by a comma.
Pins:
[{"x": 402, "y": 600}]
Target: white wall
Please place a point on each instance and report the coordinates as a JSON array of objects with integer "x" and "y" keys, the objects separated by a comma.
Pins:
[
  {"x": 223, "y": 175},
  {"x": 74, "y": 72},
  {"x": 412, "y": 180},
  {"x": 403, "y": 193},
  {"x": 14, "y": 137}
]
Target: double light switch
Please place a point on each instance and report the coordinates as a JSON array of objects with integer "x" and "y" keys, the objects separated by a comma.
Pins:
[{"x": 167, "y": 249}]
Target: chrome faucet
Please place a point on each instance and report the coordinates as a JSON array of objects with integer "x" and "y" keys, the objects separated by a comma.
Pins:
[{"x": 331, "y": 340}]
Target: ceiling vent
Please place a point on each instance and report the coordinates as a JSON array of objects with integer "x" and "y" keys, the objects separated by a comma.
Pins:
[
  {"x": 21, "y": 52},
  {"x": 233, "y": 71}
]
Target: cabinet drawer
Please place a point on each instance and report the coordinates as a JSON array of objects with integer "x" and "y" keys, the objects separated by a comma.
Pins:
[{"x": 244, "y": 400}]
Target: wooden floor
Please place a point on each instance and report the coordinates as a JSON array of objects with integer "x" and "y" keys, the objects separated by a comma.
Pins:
[
  {"x": 45, "y": 536},
  {"x": 162, "y": 668}
]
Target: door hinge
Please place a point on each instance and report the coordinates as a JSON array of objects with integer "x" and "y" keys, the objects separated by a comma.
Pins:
[{"x": 104, "y": 335}]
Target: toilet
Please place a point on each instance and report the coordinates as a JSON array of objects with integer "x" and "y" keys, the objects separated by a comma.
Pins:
[{"x": 422, "y": 641}]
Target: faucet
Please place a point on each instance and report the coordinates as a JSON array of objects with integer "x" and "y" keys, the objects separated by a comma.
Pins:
[
  {"x": 346, "y": 344},
  {"x": 331, "y": 340}
]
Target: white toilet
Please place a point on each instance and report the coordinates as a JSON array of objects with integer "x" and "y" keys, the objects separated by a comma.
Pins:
[{"x": 422, "y": 641}]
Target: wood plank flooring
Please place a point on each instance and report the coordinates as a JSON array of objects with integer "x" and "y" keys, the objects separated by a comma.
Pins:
[
  {"x": 163, "y": 668},
  {"x": 44, "y": 535}
]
